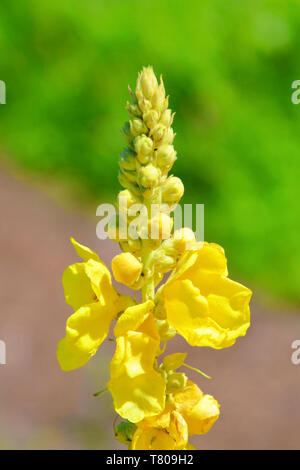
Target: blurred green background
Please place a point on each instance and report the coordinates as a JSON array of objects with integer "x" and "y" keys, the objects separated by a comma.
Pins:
[{"x": 228, "y": 67}]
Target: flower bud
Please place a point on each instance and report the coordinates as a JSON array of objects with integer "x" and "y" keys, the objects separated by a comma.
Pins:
[
  {"x": 126, "y": 268},
  {"x": 147, "y": 82},
  {"x": 137, "y": 127},
  {"x": 176, "y": 382},
  {"x": 163, "y": 262},
  {"x": 165, "y": 157},
  {"x": 165, "y": 331},
  {"x": 151, "y": 118},
  {"x": 124, "y": 181},
  {"x": 143, "y": 146},
  {"x": 144, "y": 105},
  {"x": 125, "y": 200},
  {"x": 158, "y": 132},
  {"x": 168, "y": 136},
  {"x": 133, "y": 110},
  {"x": 127, "y": 160},
  {"x": 172, "y": 190},
  {"x": 148, "y": 176},
  {"x": 158, "y": 98},
  {"x": 182, "y": 237},
  {"x": 166, "y": 118}
]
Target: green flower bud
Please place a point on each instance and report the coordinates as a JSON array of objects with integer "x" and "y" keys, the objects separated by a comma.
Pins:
[
  {"x": 147, "y": 82},
  {"x": 165, "y": 157},
  {"x": 151, "y": 118},
  {"x": 163, "y": 262},
  {"x": 137, "y": 127},
  {"x": 148, "y": 176},
  {"x": 144, "y": 105},
  {"x": 127, "y": 160},
  {"x": 172, "y": 190},
  {"x": 176, "y": 382},
  {"x": 143, "y": 146},
  {"x": 166, "y": 332}
]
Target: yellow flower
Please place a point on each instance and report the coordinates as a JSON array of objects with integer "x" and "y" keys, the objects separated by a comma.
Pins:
[
  {"x": 202, "y": 303},
  {"x": 187, "y": 412},
  {"x": 138, "y": 390},
  {"x": 89, "y": 291}
]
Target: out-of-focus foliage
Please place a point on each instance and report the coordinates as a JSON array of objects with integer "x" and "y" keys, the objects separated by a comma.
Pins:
[{"x": 228, "y": 65}]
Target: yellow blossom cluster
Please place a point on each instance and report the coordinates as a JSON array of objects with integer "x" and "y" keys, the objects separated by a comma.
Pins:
[{"x": 159, "y": 406}]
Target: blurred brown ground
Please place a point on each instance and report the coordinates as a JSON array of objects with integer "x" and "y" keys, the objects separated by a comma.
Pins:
[{"x": 42, "y": 407}]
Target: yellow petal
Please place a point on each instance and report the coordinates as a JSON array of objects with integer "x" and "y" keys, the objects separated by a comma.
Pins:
[
  {"x": 135, "y": 354},
  {"x": 83, "y": 251},
  {"x": 136, "y": 398},
  {"x": 202, "y": 416},
  {"x": 212, "y": 314},
  {"x": 133, "y": 318},
  {"x": 85, "y": 331},
  {"x": 100, "y": 279},
  {"x": 188, "y": 397},
  {"x": 152, "y": 439},
  {"x": 77, "y": 286}
]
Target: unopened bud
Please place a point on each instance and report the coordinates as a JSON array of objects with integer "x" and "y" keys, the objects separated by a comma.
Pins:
[
  {"x": 148, "y": 176},
  {"x": 133, "y": 110},
  {"x": 151, "y": 118},
  {"x": 172, "y": 190},
  {"x": 124, "y": 181},
  {"x": 137, "y": 127},
  {"x": 165, "y": 157},
  {"x": 165, "y": 331},
  {"x": 143, "y": 146},
  {"x": 126, "y": 268},
  {"x": 166, "y": 118},
  {"x": 182, "y": 237},
  {"x": 158, "y": 98},
  {"x": 147, "y": 82},
  {"x": 168, "y": 136},
  {"x": 127, "y": 160},
  {"x": 125, "y": 200},
  {"x": 176, "y": 382},
  {"x": 158, "y": 132}
]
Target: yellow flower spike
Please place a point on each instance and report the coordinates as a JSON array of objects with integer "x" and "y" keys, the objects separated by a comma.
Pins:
[
  {"x": 137, "y": 389},
  {"x": 126, "y": 268},
  {"x": 162, "y": 408}
]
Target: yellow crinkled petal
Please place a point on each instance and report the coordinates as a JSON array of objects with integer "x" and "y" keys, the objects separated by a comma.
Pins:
[
  {"x": 210, "y": 258},
  {"x": 83, "y": 251},
  {"x": 133, "y": 318},
  {"x": 85, "y": 331},
  {"x": 152, "y": 439},
  {"x": 135, "y": 354},
  {"x": 77, "y": 286},
  {"x": 138, "y": 397},
  {"x": 210, "y": 319},
  {"x": 188, "y": 397},
  {"x": 202, "y": 416}
]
